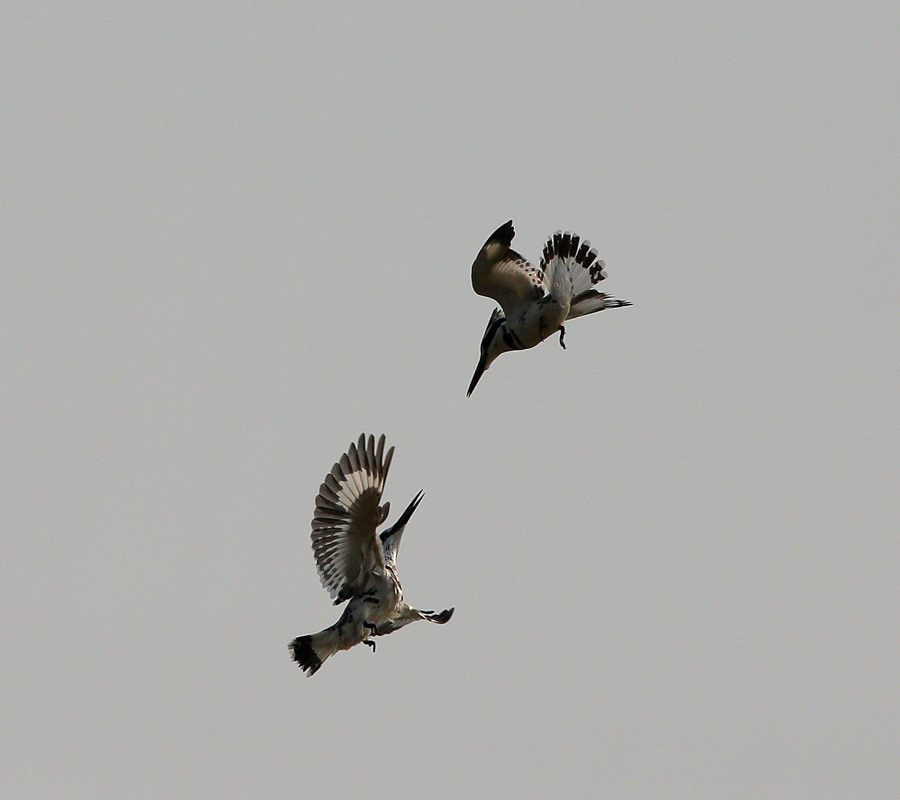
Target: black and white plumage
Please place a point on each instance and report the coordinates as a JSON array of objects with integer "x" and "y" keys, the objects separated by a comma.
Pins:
[
  {"x": 535, "y": 301},
  {"x": 354, "y": 562}
]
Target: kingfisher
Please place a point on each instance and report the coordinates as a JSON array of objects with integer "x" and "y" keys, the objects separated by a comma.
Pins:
[
  {"x": 535, "y": 301},
  {"x": 354, "y": 562}
]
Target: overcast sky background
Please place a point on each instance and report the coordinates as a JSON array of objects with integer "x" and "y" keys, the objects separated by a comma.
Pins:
[{"x": 234, "y": 237}]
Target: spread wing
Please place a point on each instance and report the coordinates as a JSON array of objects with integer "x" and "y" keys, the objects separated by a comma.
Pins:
[
  {"x": 501, "y": 273},
  {"x": 348, "y": 511}
]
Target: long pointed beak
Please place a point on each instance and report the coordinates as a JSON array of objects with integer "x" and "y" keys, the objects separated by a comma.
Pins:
[
  {"x": 397, "y": 528},
  {"x": 404, "y": 517},
  {"x": 479, "y": 371}
]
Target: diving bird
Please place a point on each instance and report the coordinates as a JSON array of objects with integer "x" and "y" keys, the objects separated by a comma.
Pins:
[
  {"x": 354, "y": 562},
  {"x": 535, "y": 301}
]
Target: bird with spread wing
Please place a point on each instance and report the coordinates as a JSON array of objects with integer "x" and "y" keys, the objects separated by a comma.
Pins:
[
  {"x": 355, "y": 563},
  {"x": 535, "y": 301}
]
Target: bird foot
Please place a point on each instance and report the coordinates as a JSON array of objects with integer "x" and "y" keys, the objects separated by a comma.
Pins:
[
  {"x": 562, "y": 336},
  {"x": 370, "y": 643},
  {"x": 370, "y": 626}
]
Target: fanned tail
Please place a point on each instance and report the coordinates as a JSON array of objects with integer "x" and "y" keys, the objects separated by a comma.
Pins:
[{"x": 569, "y": 251}]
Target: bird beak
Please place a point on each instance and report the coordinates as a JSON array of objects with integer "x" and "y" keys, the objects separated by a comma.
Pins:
[{"x": 479, "y": 371}]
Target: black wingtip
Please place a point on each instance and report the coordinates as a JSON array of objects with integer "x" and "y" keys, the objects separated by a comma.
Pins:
[
  {"x": 441, "y": 618},
  {"x": 504, "y": 234}
]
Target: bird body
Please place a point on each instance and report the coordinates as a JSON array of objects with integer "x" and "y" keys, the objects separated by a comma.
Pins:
[
  {"x": 354, "y": 562},
  {"x": 535, "y": 301}
]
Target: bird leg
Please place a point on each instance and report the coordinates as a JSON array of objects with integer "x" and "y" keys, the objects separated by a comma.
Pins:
[
  {"x": 562, "y": 334},
  {"x": 371, "y": 627}
]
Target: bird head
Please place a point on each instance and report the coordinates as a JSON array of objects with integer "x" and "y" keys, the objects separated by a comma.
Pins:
[
  {"x": 390, "y": 537},
  {"x": 492, "y": 345}
]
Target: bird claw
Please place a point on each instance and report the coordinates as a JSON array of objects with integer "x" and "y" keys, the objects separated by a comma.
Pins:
[
  {"x": 562, "y": 334},
  {"x": 370, "y": 643}
]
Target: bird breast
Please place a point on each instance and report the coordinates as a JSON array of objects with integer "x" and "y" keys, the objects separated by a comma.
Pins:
[
  {"x": 388, "y": 594},
  {"x": 537, "y": 322}
]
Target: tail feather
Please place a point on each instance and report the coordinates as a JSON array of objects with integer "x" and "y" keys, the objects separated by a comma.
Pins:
[
  {"x": 305, "y": 655},
  {"x": 582, "y": 262},
  {"x": 310, "y": 652}
]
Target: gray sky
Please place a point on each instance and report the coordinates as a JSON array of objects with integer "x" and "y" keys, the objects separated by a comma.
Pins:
[{"x": 236, "y": 237}]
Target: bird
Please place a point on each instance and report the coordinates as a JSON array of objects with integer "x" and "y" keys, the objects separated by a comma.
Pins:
[
  {"x": 535, "y": 301},
  {"x": 355, "y": 563}
]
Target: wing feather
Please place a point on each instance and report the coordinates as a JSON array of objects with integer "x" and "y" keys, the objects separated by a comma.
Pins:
[
  {"x": 499, "y": 272},
  {"x": 348, "y": 511}
]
